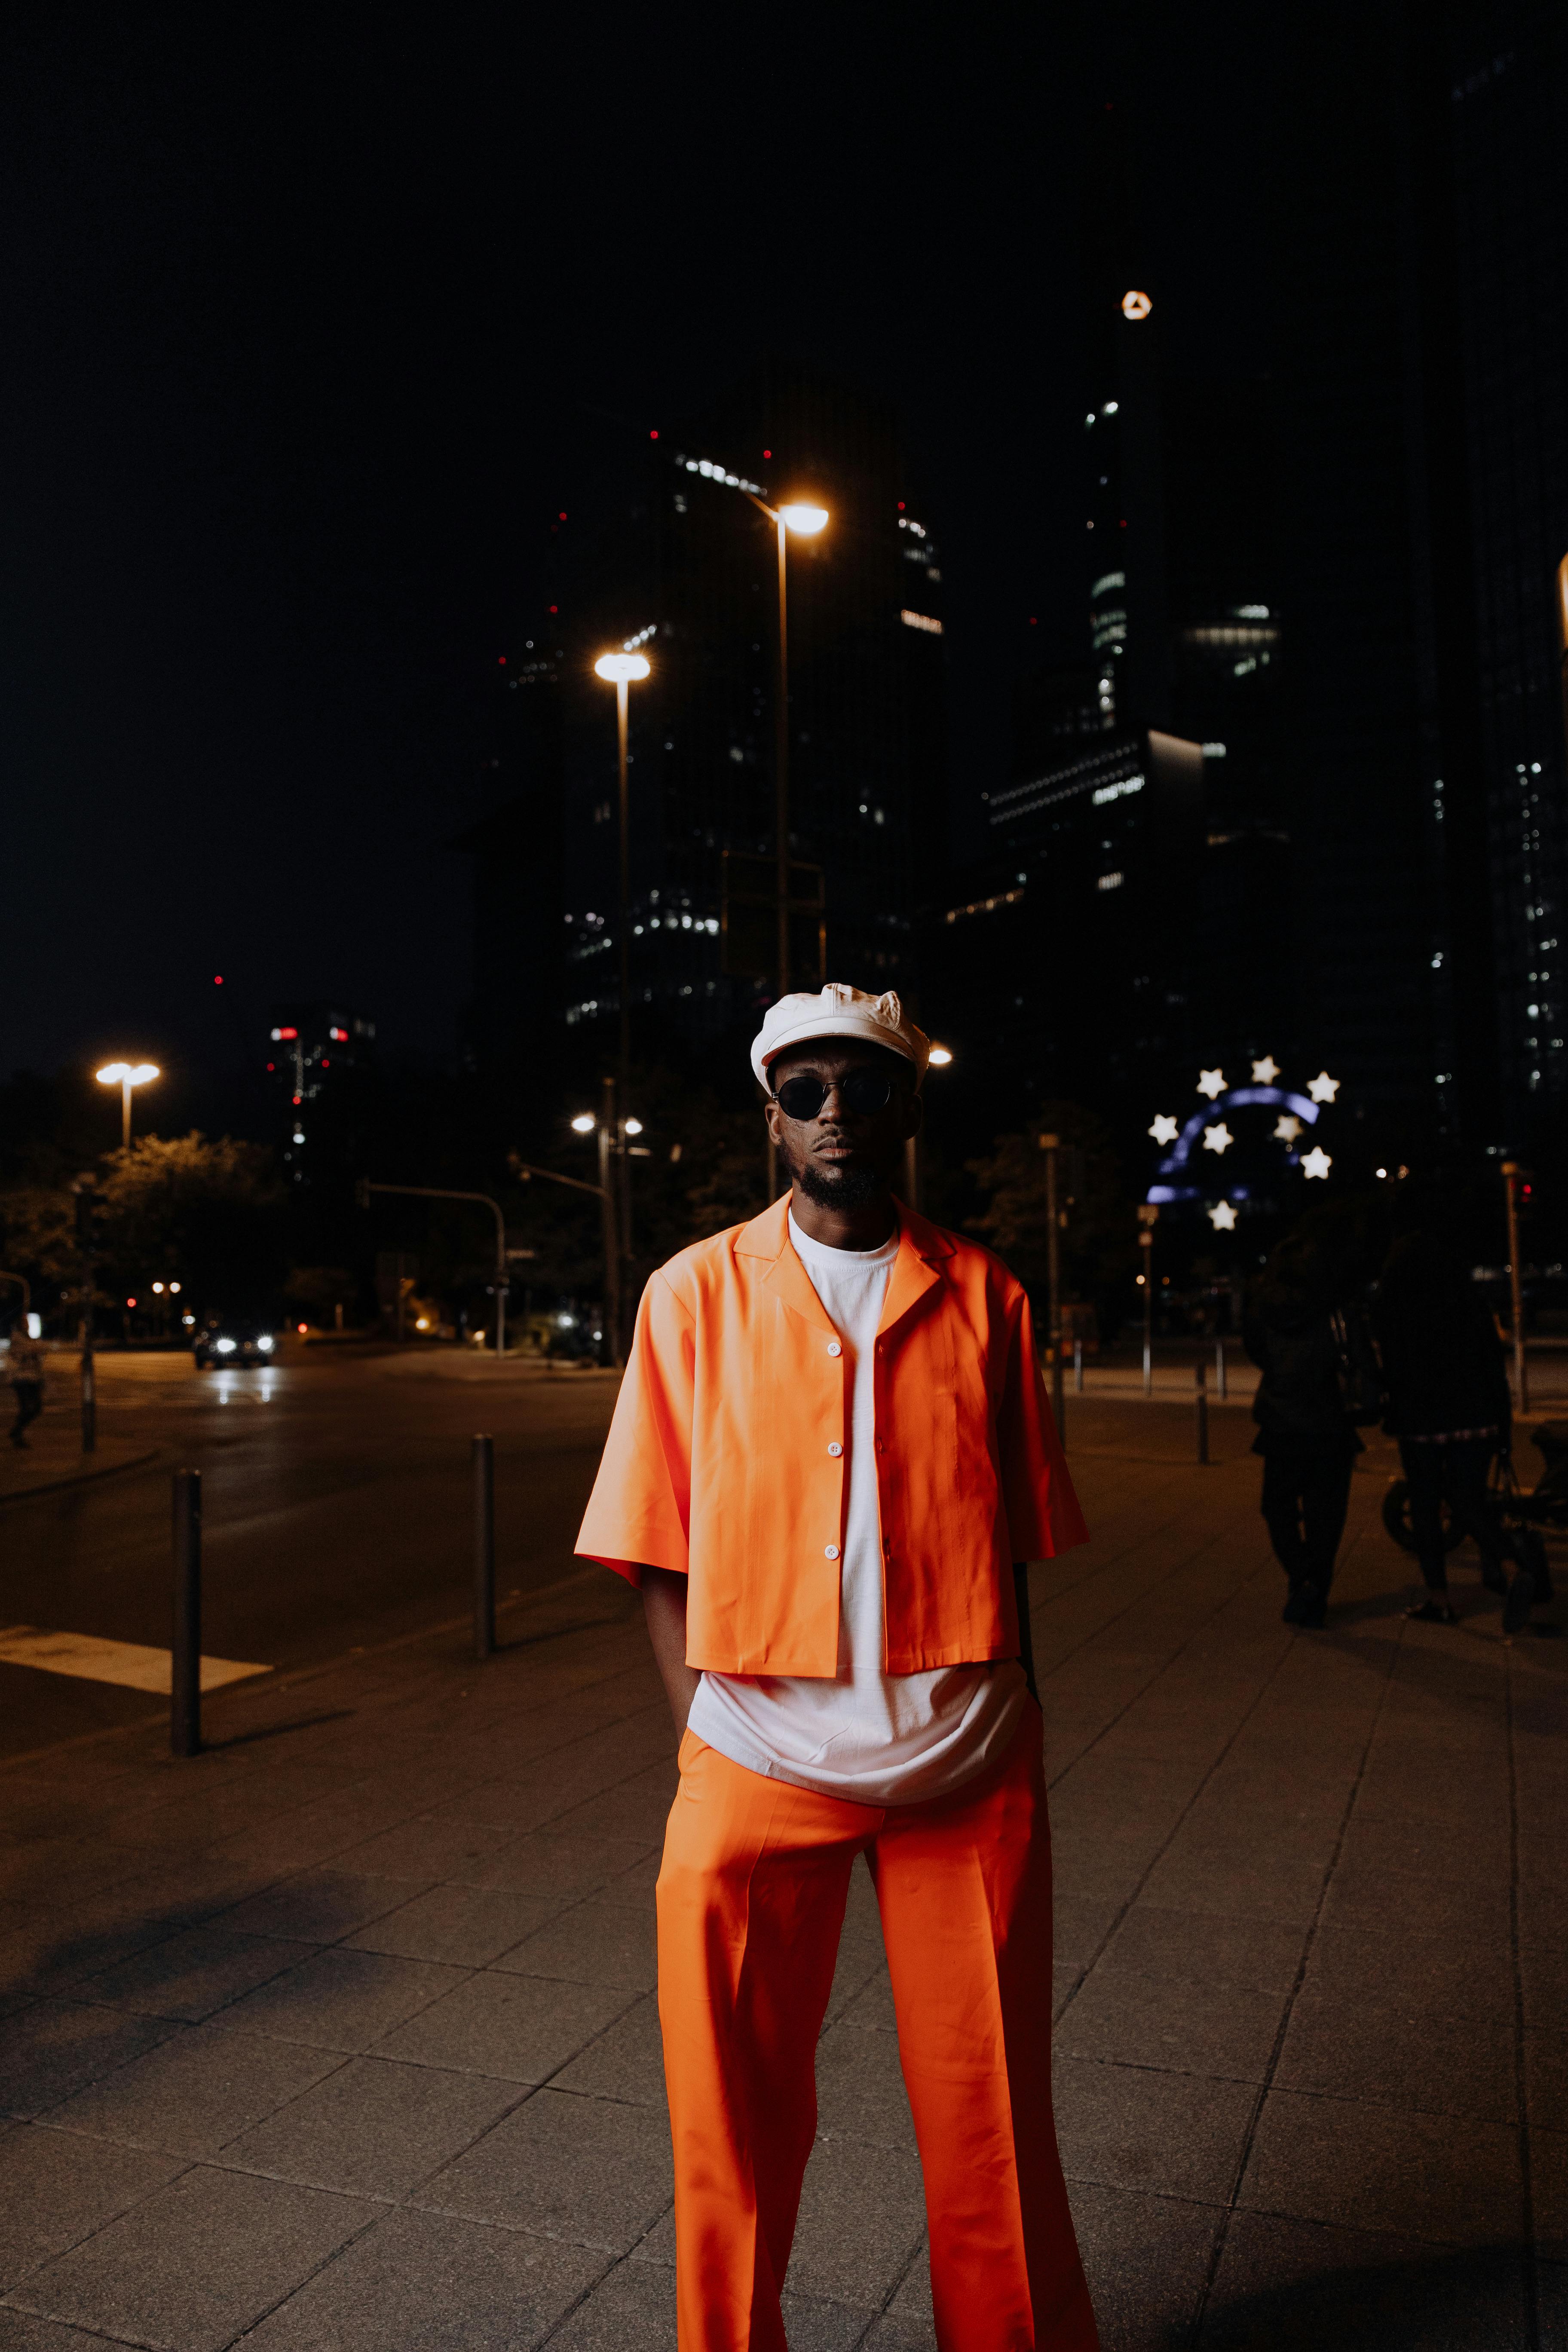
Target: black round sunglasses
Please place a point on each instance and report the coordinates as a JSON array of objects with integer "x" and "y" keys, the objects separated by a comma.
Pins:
[{"x": 865, "y": 1092}]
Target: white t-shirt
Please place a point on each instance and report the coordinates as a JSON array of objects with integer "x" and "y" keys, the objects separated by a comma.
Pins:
[{"x": 878, "y": 1739}]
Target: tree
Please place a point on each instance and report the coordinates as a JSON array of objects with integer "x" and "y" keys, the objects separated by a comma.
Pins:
[
  {"x": 38, "y": 1236},
  {"x": 209, "y": 1215},
  {"x": 1099, "y": 1241},
  {"x": 321, "y": 1289}
]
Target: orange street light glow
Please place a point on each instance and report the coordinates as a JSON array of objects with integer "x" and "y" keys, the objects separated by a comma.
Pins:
[
  {"x": 618, "y": 667},
  {"x": 806, "y": 521},
  {"x": 1135, "y": 305}
]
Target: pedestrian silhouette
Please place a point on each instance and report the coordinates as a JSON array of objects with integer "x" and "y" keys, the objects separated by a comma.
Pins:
[
  {"x": 25, "y": 1369},
  {"x": 1450, "y": 1410},
  {"x": 1293, "y": 1326}
]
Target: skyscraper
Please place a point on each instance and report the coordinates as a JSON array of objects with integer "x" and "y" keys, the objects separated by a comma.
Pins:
[
  {"x": 1505, "y": 97},
  {"x": 669, "y": 554}
]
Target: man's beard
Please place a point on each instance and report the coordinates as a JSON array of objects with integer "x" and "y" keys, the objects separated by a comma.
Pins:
[{"x": 852, "y": 1188}]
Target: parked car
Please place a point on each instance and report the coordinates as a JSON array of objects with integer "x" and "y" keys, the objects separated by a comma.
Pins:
[{"x": 233, "y": 1340}]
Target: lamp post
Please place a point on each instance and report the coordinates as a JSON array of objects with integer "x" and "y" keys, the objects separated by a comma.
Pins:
[
  {"x": 806, "y": 521},
  {"x": 1051, "y": 1145},
  {"x": 937, "y": 1058},
  {"x": 1148, "y": 1215},
  {"x": 1511, "y": 1173},
  {"x": 618, "y": 670},
  {"x": 126, "y": 1074}
]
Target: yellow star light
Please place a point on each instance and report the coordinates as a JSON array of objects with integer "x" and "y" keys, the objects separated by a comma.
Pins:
[
  {"x": 1218, "y": 1138},
  {"x": 1222, "y": 1217},
  {"x": 1166, "y": 1129},
  {"x": 1287, "y": 1127},
  {"x": 1322, "y": 1088},
  {"x": 1265, "y": 1072},
  {"x": 1316, "y": 1162},
  {"x": 1211, "y": 1082}
]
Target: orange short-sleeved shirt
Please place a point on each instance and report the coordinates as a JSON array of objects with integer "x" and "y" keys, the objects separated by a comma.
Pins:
[{"x": 727, "y": 1456}]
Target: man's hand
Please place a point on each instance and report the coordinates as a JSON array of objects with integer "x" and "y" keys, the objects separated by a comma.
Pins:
[{"x": 664, "y": 1607}]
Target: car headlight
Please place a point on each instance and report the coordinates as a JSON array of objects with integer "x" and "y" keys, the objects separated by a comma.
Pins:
[
  {"x": 224, "y": 1346},
  {"x": 264, "y": 1343}
]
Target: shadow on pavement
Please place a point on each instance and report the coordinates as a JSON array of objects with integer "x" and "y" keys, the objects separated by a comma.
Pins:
[
  {"x": 1474, "y": 2300},
  {"x": 277, "y": 1730}
]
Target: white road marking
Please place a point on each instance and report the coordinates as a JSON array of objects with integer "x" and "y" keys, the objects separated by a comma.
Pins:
[{"x": 95, "y": 1661}]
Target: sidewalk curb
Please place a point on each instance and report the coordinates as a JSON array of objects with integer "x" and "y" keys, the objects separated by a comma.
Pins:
[{"x": 79, "y": 1478}]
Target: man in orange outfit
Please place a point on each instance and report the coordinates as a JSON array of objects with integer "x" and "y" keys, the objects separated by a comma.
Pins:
[{"x": 830, "y": 1448}]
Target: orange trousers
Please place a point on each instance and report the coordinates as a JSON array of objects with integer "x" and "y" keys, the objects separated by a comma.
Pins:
[{"x": 751, "y": 1907}]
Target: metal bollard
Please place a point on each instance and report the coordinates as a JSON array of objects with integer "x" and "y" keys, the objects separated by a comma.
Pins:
[
  {"x": 185, "y": 1649},
  {"x": 484, "y": 1547},
  {"x": 1078, "y": 1367},
  {"x": 1219, "y": 1369},
  {"x": 1202, "y": 1400}
]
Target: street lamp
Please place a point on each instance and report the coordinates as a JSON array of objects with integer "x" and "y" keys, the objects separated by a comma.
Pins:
[
  {"x": 618, "y": 670},
  {"x": 586, "y": 1124},
  {"x": 937, "y": 1058},
  {"x": 806, "y": 521},
  {"x": 126, "y": 1074}
]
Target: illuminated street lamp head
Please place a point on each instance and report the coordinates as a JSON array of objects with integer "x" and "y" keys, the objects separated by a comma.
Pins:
[
  {"x": 1135, "y": 304},
  {"x": 940, "y": 1057},
  {"x": 618, "y": 667},
  {"x": 127, "y": 1074},
  {"x": 584, "y": 1123},
  {"x": 806, "y": 521}
]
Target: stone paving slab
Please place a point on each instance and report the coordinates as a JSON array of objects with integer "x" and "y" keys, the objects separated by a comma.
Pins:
[{"x": 344, "y": 2034}]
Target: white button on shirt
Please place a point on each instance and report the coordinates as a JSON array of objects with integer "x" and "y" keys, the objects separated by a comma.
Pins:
[{"x": 875, "y": 1737}]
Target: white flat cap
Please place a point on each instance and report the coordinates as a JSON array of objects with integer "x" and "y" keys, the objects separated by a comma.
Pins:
[{"x": 840, "y": 1011}]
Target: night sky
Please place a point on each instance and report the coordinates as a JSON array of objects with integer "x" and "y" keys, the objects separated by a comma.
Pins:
[{"x": 314, "y": 322}]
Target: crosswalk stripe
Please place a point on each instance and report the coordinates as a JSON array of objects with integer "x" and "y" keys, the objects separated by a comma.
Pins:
[{"x": 93, "y": 1660}]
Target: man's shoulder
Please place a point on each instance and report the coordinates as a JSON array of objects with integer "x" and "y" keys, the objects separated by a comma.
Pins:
[
  {"x": 694, "y": 1272},
  {"x": 967, "y": 1262}
]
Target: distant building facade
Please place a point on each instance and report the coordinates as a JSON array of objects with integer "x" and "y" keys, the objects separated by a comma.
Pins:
[
  {"x": 1336, "y": 579},
  {"x": 1065, "y": 963},
  {"x": 1505, "y": 98},
  {"x": 669, "y": 555},
  {"x": 1142, "y": 862}
]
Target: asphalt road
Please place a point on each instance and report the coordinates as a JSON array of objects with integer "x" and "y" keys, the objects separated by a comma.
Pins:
[{"x": 336, "y": 1494}]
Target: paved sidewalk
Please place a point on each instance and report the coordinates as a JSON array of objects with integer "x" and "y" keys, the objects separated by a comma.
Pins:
[
  {"x": 53, "y": 1458},
  {"x": 342, "y": 2037}
]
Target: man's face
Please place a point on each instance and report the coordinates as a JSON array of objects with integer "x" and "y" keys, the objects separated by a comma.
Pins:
[{"x": 843, "y": 1158}]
